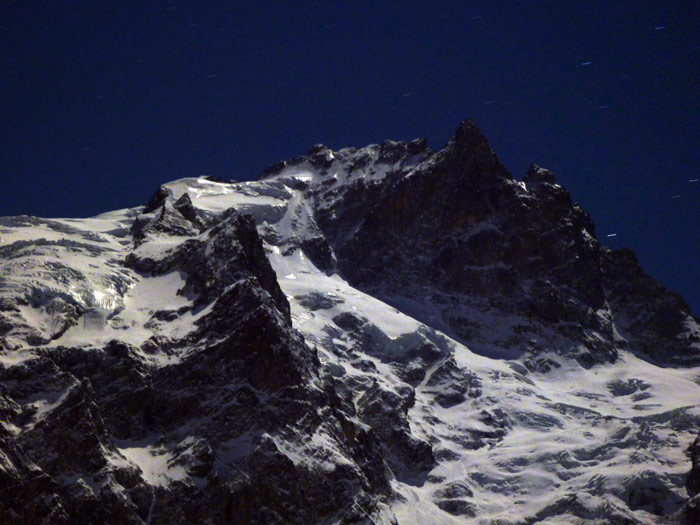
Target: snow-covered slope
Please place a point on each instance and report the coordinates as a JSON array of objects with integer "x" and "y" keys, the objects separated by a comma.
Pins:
[{"x": 374, "y": 335}]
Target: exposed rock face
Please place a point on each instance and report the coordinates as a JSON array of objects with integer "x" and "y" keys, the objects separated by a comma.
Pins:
[
  {"x": 501, "y": 248},
  {"x": 654, "y": 321},
  {"x": 241, "y": 389},
  {"x": 376, "y": 335},
  {"x": 461, "y": 236},
  {"x": 693, "y": 481},
  {"x": 690, "y": 512}
]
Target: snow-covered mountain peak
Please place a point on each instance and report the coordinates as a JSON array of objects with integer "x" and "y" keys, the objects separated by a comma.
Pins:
[{"x": 384, "y": 334}]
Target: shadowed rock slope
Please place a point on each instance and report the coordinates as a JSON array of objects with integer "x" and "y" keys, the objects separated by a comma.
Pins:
[{"x": 453, "y": 232}]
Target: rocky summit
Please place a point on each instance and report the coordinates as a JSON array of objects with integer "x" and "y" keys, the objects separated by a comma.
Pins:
[{"x": 382, "y": 335}]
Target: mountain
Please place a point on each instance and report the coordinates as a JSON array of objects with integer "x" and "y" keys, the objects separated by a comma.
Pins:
[{"x": 378, "y": 335}]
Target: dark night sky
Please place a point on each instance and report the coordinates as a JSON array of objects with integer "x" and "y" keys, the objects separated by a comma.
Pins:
[{"x": 103, "y": 101}]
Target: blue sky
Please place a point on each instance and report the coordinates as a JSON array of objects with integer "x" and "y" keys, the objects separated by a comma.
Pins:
[{"x": 104, "y": 101}]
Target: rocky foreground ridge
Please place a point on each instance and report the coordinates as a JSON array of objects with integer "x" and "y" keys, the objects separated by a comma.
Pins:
[{"x": 378, "y": 335}]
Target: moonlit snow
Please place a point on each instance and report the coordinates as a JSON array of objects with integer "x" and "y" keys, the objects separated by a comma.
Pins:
[{"x": 595, "y": 433}]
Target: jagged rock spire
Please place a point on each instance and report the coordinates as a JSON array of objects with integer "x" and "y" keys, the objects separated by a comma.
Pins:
[{"x": 536, "y": 174}]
